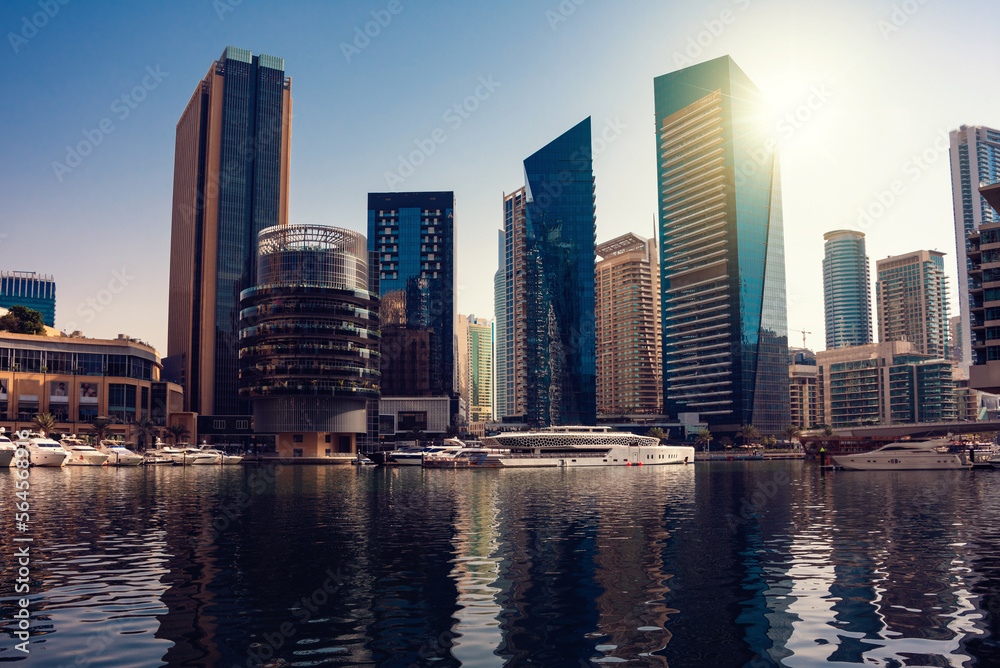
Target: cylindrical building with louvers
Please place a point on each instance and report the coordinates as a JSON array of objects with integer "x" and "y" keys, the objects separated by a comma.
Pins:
[{"x": 309, "y": 333}]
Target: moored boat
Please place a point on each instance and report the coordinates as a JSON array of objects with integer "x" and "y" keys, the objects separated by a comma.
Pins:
[
  {"x": 43, "y": 451},
  {"x": 579, "y": 446},
  {"x": 912, "y": 455},
  {"x": 7, "y": 449},
  {"x": 81, "y": 453},
  {"x": 189, "y": 455},
  {"x": 118, "y": 454},
  {"x": 222, "y": 457}
]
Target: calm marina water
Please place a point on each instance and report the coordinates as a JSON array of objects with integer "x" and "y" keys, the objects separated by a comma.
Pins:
[{"x": 719, "y": 564}]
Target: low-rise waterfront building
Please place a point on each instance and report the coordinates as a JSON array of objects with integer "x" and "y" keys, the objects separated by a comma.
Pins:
[
  {"x": 77, "y": 380},
  {"x": 309, "y": 357},
  {"x": 885, "y": 383}
]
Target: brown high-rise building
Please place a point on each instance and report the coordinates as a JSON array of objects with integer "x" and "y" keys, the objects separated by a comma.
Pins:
[
  {"x": 912, "y": 297},
  {"x": 231, "y": 162},
  {"x": 510, "y": 369},
  {"x": 629, "y": 352}
]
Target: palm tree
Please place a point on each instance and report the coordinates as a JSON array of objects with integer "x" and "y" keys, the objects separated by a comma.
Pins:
[
  {"x": 748, "y": 432},
  {"x": 148, "y": 431},
  {"x": 101, "y": 426},
  {"x": 828, "y": 430},
  {"x": 791, "y": 432},
  {"x": 44, "y": 423},
  {"x": 178, "y": 431},
  {"x": 656, "y": 433},
  {"x": 704, "y": 439}
]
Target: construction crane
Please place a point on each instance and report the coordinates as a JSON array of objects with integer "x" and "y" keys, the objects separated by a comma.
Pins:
[{"x": 804, "y": 332}]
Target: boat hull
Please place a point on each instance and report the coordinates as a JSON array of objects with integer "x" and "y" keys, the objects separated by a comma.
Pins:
[
  {"x": 6, "y": 457},
  {"x": 53, "y": 459},
  {"x": 921, "y": 462},
  {"x": 116, "y": 459},
  {"x": 89, "y": 459},
  {"x": 657, "y": 455}
]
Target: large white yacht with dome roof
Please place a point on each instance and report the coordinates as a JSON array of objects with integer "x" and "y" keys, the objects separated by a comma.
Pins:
[{"x": 574, "y": 446}]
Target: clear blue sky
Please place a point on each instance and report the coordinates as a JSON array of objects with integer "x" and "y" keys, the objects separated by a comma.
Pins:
[{"x": 874, "y": 84}]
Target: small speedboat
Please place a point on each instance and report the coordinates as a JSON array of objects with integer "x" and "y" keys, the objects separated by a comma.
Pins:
[
  {"x": 81, "y": 453},
  {"x": 118, "y": 454}
]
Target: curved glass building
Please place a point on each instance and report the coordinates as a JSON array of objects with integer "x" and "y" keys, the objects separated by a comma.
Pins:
[
  {"x": 846, "y": 294},
  {"x": 309, "y": 355}
]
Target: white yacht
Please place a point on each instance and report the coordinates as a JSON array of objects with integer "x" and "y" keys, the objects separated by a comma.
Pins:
[
  {"x": 81, "y": 453},
  {"x": 160, "y": 454},
  {"x": 582, "y": 446},
  {"x": 44, "y": 451},
  {"x": 223, "y": 457},
  {"x": 456, "y": 454},
  {"x": 118, "y": 454},
  {"x": 914, "y": 455},
  {"x": 7, "y": 449},
  {"x": 189, "y": 455},
  {"x": 413, "y": 456}
]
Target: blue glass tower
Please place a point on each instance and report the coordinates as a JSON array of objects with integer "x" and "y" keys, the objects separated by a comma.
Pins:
[
  {"x": 560, "y": 387},
  {"x": 846, "y": 292},
  {"x": 230, "y": 182},
  {"x": 412, "y": 235},
  {"x": 26, "y": 288},
  {"x": 725, "y": 338}
]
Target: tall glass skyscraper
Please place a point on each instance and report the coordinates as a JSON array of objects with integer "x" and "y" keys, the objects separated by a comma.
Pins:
[
  {"x": 559, "y": 363},
  {"x": 26, "y": 288},
  {"x": 722, "y": 267},
  {"x": 846, "y": 291},
  {"x": 412, "y": 235},
  {"x": 231, "y": 161},
  {"x": 975, "y": 160}
]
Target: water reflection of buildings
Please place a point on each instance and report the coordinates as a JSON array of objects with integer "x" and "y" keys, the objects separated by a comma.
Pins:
[{"x": 862, "y": 571}]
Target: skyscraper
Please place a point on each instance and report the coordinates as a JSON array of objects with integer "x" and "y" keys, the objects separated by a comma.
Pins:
[
  {"x": 413, "y": 237},
  {"x": 514, "y": 236},
  {"x": 629, "y": 345},
  {"x": 558, "y": 289},
  {"x": 975, "y": 159},
  {"x": 722, "y": 268},
  {"x": 500, "y": 334},
  {"x": 231, "y": 162},
  {"x": 34, "y": 291},
  {"x": 479, "y": 353},
  {"x": 911, "y": 294},
  {"x": 846, "y": 293}
]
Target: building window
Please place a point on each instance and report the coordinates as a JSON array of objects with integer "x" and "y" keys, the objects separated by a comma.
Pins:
[
  {"x": 296, "y": 452},
  {"x": 219, "y": 425},
  {"x": 243, "y": 424},
  {"x": 296, "y": 438}
]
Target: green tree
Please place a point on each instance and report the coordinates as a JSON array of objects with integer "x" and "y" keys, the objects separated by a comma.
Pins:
[
  {"x": 45, "y": 423},
  {"x": 101, "y": 426},
  {"x": 178, "y": 431},
  {"x": 22, "y": 320},
  {"x": 748, "y": 433},
  {"x": 704, "y": 439},
  {"x": 828, "y": 430},
  {"x": 791, "y": 432},
  {"x": 149, "y": 431},
  {"x": 656, "y": 433}
]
